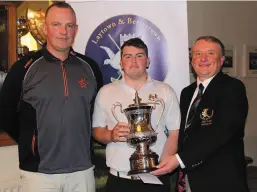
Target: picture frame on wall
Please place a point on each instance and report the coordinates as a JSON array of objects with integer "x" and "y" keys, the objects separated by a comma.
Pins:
[
  {"x": 229, "y": 65},
  {"x": 250, "y": 60}
]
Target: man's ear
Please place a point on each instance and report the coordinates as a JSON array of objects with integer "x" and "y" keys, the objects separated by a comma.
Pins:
[
  {"x": 121, "y": 66},
  {"x": 148, "y": 63},
  {"x": 222, "y": 60},
  {"x": 44, "y": 28},
  {"x": 76, "y": 30}
]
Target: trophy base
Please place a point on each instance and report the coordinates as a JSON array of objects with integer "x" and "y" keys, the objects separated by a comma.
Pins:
[
  {"x": 135, "y": 172},
  {"x": 143, "y": 163}
]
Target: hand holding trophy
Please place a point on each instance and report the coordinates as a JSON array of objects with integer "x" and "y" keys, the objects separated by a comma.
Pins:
[
  {"x": 141, "y": 135},
  {"x": 120, "y": 132}
]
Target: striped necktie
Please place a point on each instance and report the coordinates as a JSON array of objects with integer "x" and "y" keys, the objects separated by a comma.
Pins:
[
  {"x": 191, "y": 114},
  {"x": 194, "y": 105}
]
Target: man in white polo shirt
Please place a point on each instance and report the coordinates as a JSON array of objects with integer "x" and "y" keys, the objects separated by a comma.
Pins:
[{"x": 134, "y": 63}]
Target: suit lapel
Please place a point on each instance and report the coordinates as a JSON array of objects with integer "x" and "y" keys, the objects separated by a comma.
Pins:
[
  {"x": 210, "y": 91},
  {"x": 185, "y": 100},
  {"x": 188, "y": 97}
]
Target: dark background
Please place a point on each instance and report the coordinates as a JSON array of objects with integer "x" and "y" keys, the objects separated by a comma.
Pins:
[
  {"x": 3, "y": 45},
  {"x": 3, "y": 39}
]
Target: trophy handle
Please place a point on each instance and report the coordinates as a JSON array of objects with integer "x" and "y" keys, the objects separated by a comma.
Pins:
[
  {"x": 161, "y": 102},
  {"x": 113, "y": 110}
]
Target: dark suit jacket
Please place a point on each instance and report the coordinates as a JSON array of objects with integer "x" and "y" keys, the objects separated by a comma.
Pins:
[{"x": 212, "y": 148}]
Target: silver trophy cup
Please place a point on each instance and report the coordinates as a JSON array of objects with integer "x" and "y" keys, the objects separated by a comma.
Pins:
[{"x": 142, "y": 134}]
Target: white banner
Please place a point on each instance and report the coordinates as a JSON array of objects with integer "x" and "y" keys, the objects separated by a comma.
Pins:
[{"x": 105, "y": 25}]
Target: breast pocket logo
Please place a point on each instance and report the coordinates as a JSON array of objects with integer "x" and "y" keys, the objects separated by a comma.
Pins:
[
  {"x": 206, "y": 116},
  {"x": 106, "y": 40}
]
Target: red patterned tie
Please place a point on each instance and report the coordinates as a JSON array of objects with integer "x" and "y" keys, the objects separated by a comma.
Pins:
[{"x": 181, "y": 181}]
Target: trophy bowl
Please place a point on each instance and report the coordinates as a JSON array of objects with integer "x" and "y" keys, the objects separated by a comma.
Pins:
[
  {"x": 141, "y": 135},
  {"x": 36, "y": 20}
]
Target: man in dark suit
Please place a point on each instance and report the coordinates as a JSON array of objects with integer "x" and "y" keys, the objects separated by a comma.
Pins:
[{"x": 213, "y": 114}]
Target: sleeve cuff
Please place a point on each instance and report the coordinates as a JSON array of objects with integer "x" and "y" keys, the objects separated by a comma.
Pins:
[{"x": 180, "y": 161}]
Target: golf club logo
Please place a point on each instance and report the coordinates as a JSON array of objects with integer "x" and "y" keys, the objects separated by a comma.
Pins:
[{"x": 105, "y": 42}]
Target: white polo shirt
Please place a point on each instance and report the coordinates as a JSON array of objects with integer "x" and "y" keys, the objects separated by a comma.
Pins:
[{"x": 118, "y": 154}]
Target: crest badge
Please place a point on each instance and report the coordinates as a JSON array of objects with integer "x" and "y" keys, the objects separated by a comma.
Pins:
[
  {"x": 82, "y": 82},
  {"x": 206, "y": 116},
  {"x": 152, "y": 97}
]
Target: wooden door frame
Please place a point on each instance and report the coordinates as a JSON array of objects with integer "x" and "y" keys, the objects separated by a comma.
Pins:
[{"x": 5, "y": 139}]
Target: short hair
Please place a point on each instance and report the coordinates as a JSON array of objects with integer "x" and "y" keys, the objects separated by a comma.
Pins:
[
  {"x": 135, "y": 42},
  {"x": 214, "y": 40},
  {"x": 60, "y": 4}
]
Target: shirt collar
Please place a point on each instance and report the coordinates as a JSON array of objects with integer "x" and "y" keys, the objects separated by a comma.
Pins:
[
  {"x": 149, "y": 79},
  {"x": 206, "y": 82},
  {"x": 49, "y": 56}
]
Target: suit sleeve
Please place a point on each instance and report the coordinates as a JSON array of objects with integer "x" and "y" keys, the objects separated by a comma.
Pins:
[
  {"x": 9, "y": 100},
  {"x": 227, "y": 124}
]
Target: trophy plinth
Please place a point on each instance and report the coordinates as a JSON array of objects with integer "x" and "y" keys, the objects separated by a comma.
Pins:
[{"x": 141, "y": 135}]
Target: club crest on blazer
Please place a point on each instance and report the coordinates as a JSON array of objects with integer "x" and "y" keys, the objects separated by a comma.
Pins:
[{"x": 206, "y": 116}]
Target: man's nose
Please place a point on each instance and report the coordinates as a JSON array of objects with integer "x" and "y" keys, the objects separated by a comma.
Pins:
[
  {"x": 63, "y": 30},
  {"x": 204, "y": 57},
  {"x": 133, "y": 59}
]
